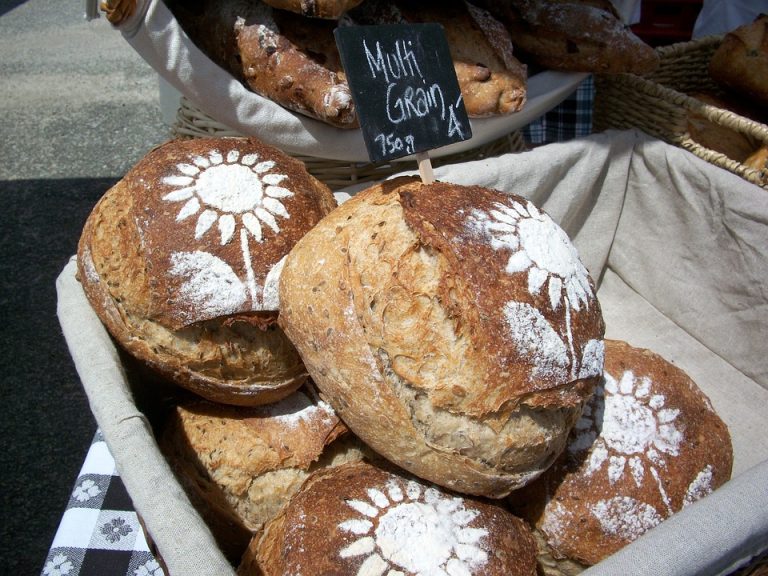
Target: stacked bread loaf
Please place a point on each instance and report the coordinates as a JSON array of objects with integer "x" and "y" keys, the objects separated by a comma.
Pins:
[{"x": 415, "y": 381}]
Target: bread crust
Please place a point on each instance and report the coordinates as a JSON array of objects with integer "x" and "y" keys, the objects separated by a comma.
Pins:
[
  {"x": 358, "y": 515},
  {"x": 180, "y": 260},
  {"x": 648, "y": 445},
  {"x": 429, "y": 351},
  {"x": 315, "y": 8},
  {"x": 740, "y": 63},
  {"x": 574, "y": 35},
  {"x": 240, "y": 465}
]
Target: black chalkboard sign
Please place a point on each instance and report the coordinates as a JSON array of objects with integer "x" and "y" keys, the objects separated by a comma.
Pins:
[{"x": 404, "y": 87}]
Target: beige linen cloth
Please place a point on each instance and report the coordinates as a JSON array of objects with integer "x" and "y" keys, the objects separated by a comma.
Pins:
[{"x": 679, "y": 249}]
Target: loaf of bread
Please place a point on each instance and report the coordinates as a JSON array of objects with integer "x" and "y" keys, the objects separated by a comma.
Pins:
[
  {"x": 240, "y": 465},
  {"x": 740, "y": 63},
  {"x": 358, "y": 519},
  {"x": 180, "y": 261},
  {"x": 315, "y": 8},
  {"x": 492, "y": 80},
  {"x": 649, "y": 444},
  {"x": 573, "y": 35},
  {"x": 452, "y": 328},
  {"x": 285, "y": 57}
]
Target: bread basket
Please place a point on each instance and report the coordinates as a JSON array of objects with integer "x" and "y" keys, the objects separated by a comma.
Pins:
[{"x": 659, "y": 104}]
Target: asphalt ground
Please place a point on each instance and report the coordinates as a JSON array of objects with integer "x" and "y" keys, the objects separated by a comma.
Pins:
[{"x": 78, "y": 107}]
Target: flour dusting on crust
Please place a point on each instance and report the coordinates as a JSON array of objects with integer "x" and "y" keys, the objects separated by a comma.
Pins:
[{"x": 406, "y": 527}]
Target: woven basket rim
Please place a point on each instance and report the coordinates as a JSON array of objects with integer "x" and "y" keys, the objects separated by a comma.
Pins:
[{"x": 652, "y": 105}]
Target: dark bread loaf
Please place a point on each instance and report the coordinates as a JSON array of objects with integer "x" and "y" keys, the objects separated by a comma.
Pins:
[
  {"x": 740, "y": 63},
  {"x": 573, "y": 35},
  {"x": 358, "y": 519},
  {"x": 180, "y": 261},
  {"x": 240, "y": 465},
  {"x": 452, "y": 328},
  {"x": 649, "y": 443}
]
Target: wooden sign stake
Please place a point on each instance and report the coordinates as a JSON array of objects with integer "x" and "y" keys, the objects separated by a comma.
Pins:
[{"x": 425, "y": 167}]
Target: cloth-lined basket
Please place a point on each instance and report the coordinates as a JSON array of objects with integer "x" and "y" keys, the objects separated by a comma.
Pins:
[{"x": 659, "y": 104}]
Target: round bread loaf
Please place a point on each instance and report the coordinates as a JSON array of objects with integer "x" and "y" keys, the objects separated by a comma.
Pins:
[
  {"x": 240, "y": 465},
  {"x": 454, "y": 330},
  {"x": 648, "y": 444},
  {"x": 358, "y": 519},
  {"x": 180, "y": 261}
]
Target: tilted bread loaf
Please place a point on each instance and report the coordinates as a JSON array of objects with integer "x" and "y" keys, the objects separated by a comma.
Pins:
[
  {"x": 358, "y": 520},
  {"x": 240, "y": 465},
  {"x": 649, "y": 444},
  {"x": 180, "y": 261},
  {"x": 452, "y": 328}
]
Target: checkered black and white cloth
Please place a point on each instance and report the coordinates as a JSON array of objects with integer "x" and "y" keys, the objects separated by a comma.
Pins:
[
  {"x": 100, "y": 532},
  {"x": 572, "y": 118}
]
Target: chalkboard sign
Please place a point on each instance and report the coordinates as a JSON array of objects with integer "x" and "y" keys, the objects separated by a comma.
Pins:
[{"x": 404, "y": 87}]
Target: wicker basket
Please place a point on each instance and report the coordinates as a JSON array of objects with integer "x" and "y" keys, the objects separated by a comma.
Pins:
[
  {"x": 191, "y": 122},
  {"x": 659, "y": 104}
]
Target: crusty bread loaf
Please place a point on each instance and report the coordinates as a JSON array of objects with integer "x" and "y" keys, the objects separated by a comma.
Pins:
[
  {"x": 359, "y": 519},
  {"x": 740, "y": 63},
  {"x": 452, "y": 328},
  {"x": 240, "y": 465},
  {"x": 573, "y": 35},
  {"x": 287, "y": 58},
  {"x": 649, "y": 443},
  {"x": 492, "y": 80},
  {"x": 180, "y": 261},
  {"x": 315, "y": 8}
]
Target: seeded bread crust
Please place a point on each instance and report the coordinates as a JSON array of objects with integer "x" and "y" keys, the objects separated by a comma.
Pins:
[
  {"x": 429, "y": 350},
  {"x": 197, "y": 304},
  {"x": 323, "y": 531},
  {"x": 649, "y": 444},
  {"x": 240, "y": 465}
]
